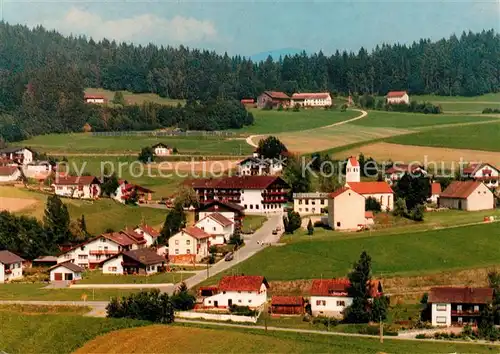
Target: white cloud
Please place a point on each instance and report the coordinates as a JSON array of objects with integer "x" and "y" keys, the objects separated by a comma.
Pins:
[{"x": 142, "y": 28}]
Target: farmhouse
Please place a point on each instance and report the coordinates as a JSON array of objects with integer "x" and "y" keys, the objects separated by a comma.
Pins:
[
  {"x": 381, "y": 191},
  {"x": 240, "y": 290},
  {"x": 257, "y": 194},
  {"x": 218, "y": 226},
  {"x": 128, "y": 191},
  {"x": 66, "y": 271},
  {"x": 346, "y": 209},
  {"x": 467, "y": 195},
  {"x": 287, "y": 305},
  {"x": 9, "y": 173},
  {"x": 96, "y": 99},
  {"x": 19, "y": 155},
  {"x": 352, "y": 170},
  {"x": 435, "y": 192},
  {"x": 458, "y": 305},
  {"x": 144, "y": 261},
  {"x": 259, "y": 166},
  {"x": 273, "y": 99},
  {"x": 484, "y": 172},
  {"x": 231, "y": 211},
  {"x": 162, "y": 150},
  {"x": 330, "y": 297},
  {"x": 396, "y": 172},
  {"x": 81, "y": 187},
  {"x": 11, "y": 266},
  {"x": 321, "y": 99},
  {"x": 150, "y": 234},
  {"x": 190, "y": 245},
  {"x": 310, "y": 203},
  {"x": 398, "y": 97}
]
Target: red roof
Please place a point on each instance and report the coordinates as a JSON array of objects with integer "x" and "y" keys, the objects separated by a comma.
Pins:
[
  {"x": 396, "y": 93},
  {"x": 148, "y": 229},
  {"x": 242, "y": 283},
  {"x": 460, "y": 295},
  {"x": 95, "y": 97},
  {"x": 196, "y": 232},
  {"x": 340, "y": 287},
  {"x": 287, "y": 300},
  {"x": 247, "y": 101},
  {"x": 76, "y": 180},
  {"x": 120, "y": 238},
  {"x": 370, "y": 187},
  {"x": 338, "y": 192},
  {"x": 221, "y": 219},
  {"x": 435, "y": 188},
  {"x": 369, "y": 215},
  {"x": 460, "y": 189},
  {"x": 306, "y": 95},
  {"x": 8, "y": 170},
  {"x": 129, "y": 187},
  {"x": 235, "y": 182},
  {"x": 134, "y": 236},
  {"x": 277, "y": 95},
  {"x": 353, "y": 161}
]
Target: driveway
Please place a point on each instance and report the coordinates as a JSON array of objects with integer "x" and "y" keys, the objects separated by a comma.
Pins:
[{"x": 253, "y": 244}]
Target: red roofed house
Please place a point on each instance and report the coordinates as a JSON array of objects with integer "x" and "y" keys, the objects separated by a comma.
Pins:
[
  {"x": 273, "y": 99},
  {"x": 435, "y": 192},
  {"x": 150, "y": 234},
  {"x": 190, "y": 245},
  {"x": 394, "y": 173},
  {"x": 287, "y": 305},
  {"x": 330, "y": 297},
  {"x": 352, "y": 170},
  {"x": 486, "y": 173},
  {"x": 126, "y": 190},
  {"x": 9, "y": 173},
  {"x": 322, "y": 99},
  {"x": 94, "y": 99},
  {"x": 458, "y": 305},
  {"x": 257, "y": 194},
  {"x": 381, "y": 191},
  {"x": 467, "y": 195},
  {"x": 241, "y": 290},
  {"x": 346, "y": 209},
  {"x": 398, "y": 97},
  {"x": 218, "y": 226},
  {"x": 82, "y": 187}
]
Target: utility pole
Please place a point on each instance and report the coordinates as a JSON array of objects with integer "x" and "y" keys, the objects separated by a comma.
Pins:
[{"x": 381, "y": 331}]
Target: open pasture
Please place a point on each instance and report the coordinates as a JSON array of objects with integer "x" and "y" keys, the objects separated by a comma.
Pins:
[
  {"x": 134, "y": 98},
  {"x": 459, "y": 104}
]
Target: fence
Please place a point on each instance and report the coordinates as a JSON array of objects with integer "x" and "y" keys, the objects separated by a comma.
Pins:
[{"x": 215, "y": 317}]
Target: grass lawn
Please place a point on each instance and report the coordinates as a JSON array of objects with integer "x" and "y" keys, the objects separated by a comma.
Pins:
[
  {"x": 134, "y": 98},
  {"x": 331, "y": 254},
  {"x": 283, "y": 121},
  {"x": 474, "y": 137},
  {"x": 56, "y": 334},
  {"x": 97, "y": 277},
  {"x": 414, "y": 120},
  {"x": 29, "y": 309},
  {"x": 211, "y": 339},
  {"x": 252, "y": 223},
  {"x": 474, "y": 104}
]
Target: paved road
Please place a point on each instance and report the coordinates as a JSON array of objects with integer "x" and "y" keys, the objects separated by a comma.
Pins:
[{"x": 253, "y": 244}]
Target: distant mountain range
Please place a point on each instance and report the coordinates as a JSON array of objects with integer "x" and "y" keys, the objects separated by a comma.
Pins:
[{"x": 275, "y": 54}]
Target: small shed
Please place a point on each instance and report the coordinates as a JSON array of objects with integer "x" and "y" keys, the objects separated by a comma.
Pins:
[
  {"x": 66, "y": 271},
  {"x": 287, "y": 305}
]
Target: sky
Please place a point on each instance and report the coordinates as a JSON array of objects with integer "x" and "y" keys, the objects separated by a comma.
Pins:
[{"x": 250, "y": 27}]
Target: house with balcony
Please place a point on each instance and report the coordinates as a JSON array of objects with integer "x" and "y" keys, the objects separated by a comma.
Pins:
[
  {"x": 458, "y": 305},
  {"x": 17, "y": 155},
  {"x": 144, "y": 261},
  {"x": 127, "y": 191},
  {"x": 218, "y": 226},
  {"x": 10, "y": 173},
  {"x": 149, "y": 233},
  {"x": 483, "y": 172},
  {"x": 259, "y": 166},
  {"x": 11, "y": 266}
]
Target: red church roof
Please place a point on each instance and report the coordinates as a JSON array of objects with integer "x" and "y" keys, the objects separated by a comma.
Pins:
[
  {"x": 353, "y": 161},
  {"x": 370, "y": 187}
]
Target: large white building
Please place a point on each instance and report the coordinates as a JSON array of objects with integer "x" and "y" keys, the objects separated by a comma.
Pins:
[
  {"x": 319, "y": 99},
  {"x": 257, "y": 194},
  {"x": 346, "y": 210},
  {"x": 96, "y": 99},
  {"x": 190, "y": 245},
  {"x": 19, "y": 155},
  {"x": 240, "y": 290},
  {"x": 144, "y": 261},
  {"x": 483, "y": 172},
  {"x": 398, "y": 97},
  {"x": 11, "y": 266},
  {"x": 310, "y": 203},
  {"x": 380, "y": 191},
  {"x": 467, "y": 195},
  {"x": 80, "y": 187}
]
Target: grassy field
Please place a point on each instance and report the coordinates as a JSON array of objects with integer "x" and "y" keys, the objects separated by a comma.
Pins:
[
  {"x": 330, "y": 254},
  {"x": 474, "y": 104},
  {"x": 85, "y": 143},
  {"x": 29, "y": 309},
  {"x": 159, "y": 339},
  {"x": 99, "y": 215},
  {"x": 252, "y": 223},
  {"x": 53, "y": 333},
  {"x": 474, "y": 137},
  {"x": 134, "y": 98},
  {"x": 97, "y": 277},
  {"x": 414, "y": 120}
]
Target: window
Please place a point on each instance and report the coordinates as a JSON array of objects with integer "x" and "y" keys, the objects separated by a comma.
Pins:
[
  {"x": 188, "y": 251},
  {"x": 476, "y": 308},
  {"x": 338, "y": 223},
  {"x": 300, "y": 201},
  {"x": 459, "y": 307},
  {"x": 98, "y": 257},
  {"x": 239, "y": 301},
  {"x": 188, "y": 242},
  {"x": 440, "y": 307},
  {"x": 341, "y": 303},
  {"x": 249, "y": 301},
  {"x": 300, "y": 209},
  {"x": 307, "y": 201},
  {"x": 441, "y": 319},
  {"x": 223, "y": 292},
  {"x": 214, "y": 228},
  {"x": 176, "y": 251},
  {"x": 322, "y": 201},
  {"x": 251, "y": 206},
  {"x": 313, "y": 202},
  {"x": 460, "y": 320},
  {"x": 257, "y": 206},
  {"x": 176, "y": 242},
  {"x": 103, "y": 239},
  {"x": 307, "y": 209},
  {"x": 209, "y": 301},
  {"x": 82, "y": 248},
  {"x": 320, "y": 303},
  {"x": 245, "y": 206}
]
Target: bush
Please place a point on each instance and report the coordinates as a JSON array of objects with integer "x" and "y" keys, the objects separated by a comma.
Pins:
[
  {"x": 242, "y": 311},
  {"x": 182, "y": 300},
  {"x": 420, "y": 336},
  {"x": 491, "y": 110},
  {"x": 326, "y": 321},
  {"x": 343, "y": 108},
  {"x": 372, "y": 204}
]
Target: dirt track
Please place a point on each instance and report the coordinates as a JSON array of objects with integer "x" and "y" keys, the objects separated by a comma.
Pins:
[{"x": 15, "y": 204}]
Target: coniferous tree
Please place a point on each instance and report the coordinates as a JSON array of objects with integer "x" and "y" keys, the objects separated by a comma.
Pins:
[
  {"x": 360, "y": 277},
  {"x": 56, "y": 220}
]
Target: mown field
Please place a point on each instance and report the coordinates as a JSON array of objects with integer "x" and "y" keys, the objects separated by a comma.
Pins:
[
  {"x": 96, "y": 277},
  {"x": 460, "y": 104},
  {"x": 134, "y": 98},
  {"x": 331, "y": 254}
]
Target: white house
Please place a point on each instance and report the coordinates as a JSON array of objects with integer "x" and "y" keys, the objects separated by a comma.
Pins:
[
  {"x": 161, "y": 149},
  {"x": 396, "y": 172},
  {"x": 66, "y": 271},
  {"x": 483, "y": 172},
  {"x": 37, "y": 169},
  {"x": 9, "y": 173},
  {"x": 81, "y": 187},
  {"x": 398, "y": 97},
  {"x": 190, "y": 245},
  {"x": 125, "y": 190},
  {"x": 467, "y": 195},
  {"x": 310, "y": 203},
  {"x": 216, "y": 225},
  {"x": 144, "y": 261},
  {"x": 352, "y": 170},
  {"x": 231, "y": 211},
  {"x": 259, "y": 166},
  {"x": 381, "y": 191},
  {"x": 320, "y": 99},
  {"x": 92, "y": 252},
  {"x": 458, "y": 305},
  {"x": 20, "y": 155},
  {"x": 240, "y": 290},
  {"x": 435, "y": 192},
  {"x": 94, "y": 99},
  {"x": 149, "y": 233},
  {"x": 330, "y": 297},
  {"x": 11, "y": 266},
  {"x": 346, "y": 209}
]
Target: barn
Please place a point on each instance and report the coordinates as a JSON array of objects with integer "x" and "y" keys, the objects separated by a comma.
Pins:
[{"x": 287, "y": 305}]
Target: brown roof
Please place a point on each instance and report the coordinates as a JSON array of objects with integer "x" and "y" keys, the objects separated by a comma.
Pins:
[
  {"x": 315, "y": 95},
  {"x": 277, "y": 95},
  {"x": 242, "y": 283},
  {"x": 340, "y": 287},
  {"x": 8, "y": 170},
  {"x": 196, "y": 232},
  {"x": 460, "y": 295},
  {"x": 235, "y": 182},
  {"x": 120, "y": 238},
  {"x": 145, "y": 256},
  {"x": 76, "y": 180},
  {"x": 287, "y": 300},
  {"x": 221, "y": 219},
  {"x": 435, "y": 188},
  {"x": 396, "y": 93},
  {"x": 150, "y": 230},
  {"x": 68, "y": 265},
  {"x": 460, "y": 189},
  {"x": 370, "y": 187},
  {"x": 217, "y": 203},
  {"x": 139, "y": 238},
  {"x": 7, "y": 257}
]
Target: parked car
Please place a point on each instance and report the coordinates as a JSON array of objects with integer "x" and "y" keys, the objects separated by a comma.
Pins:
[{"x": 229, "y": 257}]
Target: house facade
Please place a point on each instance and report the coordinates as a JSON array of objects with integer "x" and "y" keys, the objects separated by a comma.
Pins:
[
  {"x": 126, "y": 190},
  {"x": 190, "y": 245},
  {"x": 396, "y": 172},
  {"x": 352, "y": 170},
  {"x": 458, "y": 305},
  {"x": 83, "y": 187},
  {"x": 380, "y": 191},
  {"x": 18, "y": 155},
  {"x": 149, "y": 233},
  {"x": 9, "y": 173},
  {"x": 467, "y": 195},
  {"x": 483, "y": 172},
  {"x": 310, "y": 203},
  {"x": 273, "y": 99},
  {"x": 216, "y": 225},
  {"x": 231, "y": 211},
  {"x": 95, "y": 99},
  {"x": 257, "y": 166},
  {"x": 161, "y": 149},
  {"x": 11, "y": 266},
  {"x": 240, "y": 290},
  {"x": 346, "y": 210},
  {"x": 321, "y": 99},
  {"x": 144, "y": 261},
  {"x": 66, "y": 271},
  {"x": 398, "y": 97}
]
